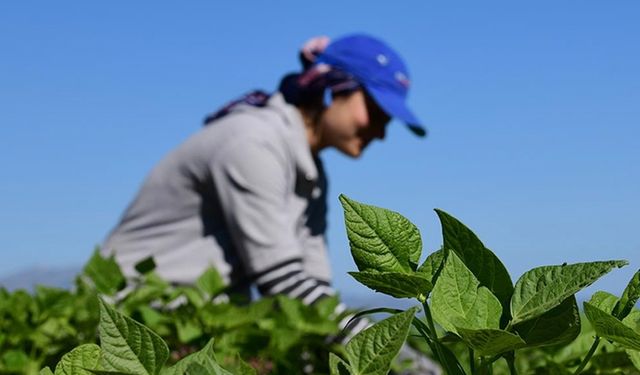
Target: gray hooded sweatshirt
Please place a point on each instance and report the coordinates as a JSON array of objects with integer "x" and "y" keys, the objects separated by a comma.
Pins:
[{"x": 244, "y": 195}]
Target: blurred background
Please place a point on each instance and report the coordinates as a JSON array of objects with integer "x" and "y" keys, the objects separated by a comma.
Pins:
[{"x": 533, "y": 111}]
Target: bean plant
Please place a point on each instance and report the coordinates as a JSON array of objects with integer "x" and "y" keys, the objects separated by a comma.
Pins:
[
  {"x": 469, "y": 316},
  {"x": 468, "y": 299}
]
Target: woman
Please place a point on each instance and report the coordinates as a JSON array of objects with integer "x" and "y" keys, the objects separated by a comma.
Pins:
[{"x": 247, "y": 193}]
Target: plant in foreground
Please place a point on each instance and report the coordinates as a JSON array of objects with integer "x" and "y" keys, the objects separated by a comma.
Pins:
[
  {"x": 128, "y": 347},
  {"x": 467, "y": 291}
]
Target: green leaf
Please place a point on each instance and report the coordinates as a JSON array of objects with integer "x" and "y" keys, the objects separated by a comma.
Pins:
[
  {"x": 152, "y": 317},
  {"x": 482, "y": 262},
  {"x": 432, "y": 266},
  {"x": 79, "y": 361},
  {"x": 629, "y": 297},
  {"x": 210, "y": 282},
  {"x": 458, "y": 300},
  {"x": 303, "y": 318},
  {"x": 371, "y": 351},
  {"x": 399, "y": 285},
  {"x": 193, "y": 295},
  {"x": 337, "y": 366},
  {"x": 188, "y": 330},
  {"x": 145, "y": 266},
  {"x": 15, "y": 361},
  {"x": 127, "y": 345},
  {"x": 634, "y": 357},
  {"x": 46, "y": 371},
  {"x": 632, "y": 320},
  {"x": 610, "y": 328},
  {"x": 205, "y": 358},
  {"x": 381, "y": 239},
  {"x": 196, "y": 369},
  {"x": 105, "y": 274},
  {"x": 558, "y": 326},
  {"x": 239, "y": 367},
  {"x": 604, "y": 301},
  {"x": 543, "y": 288},
  {"x": 490, "y": 342}
]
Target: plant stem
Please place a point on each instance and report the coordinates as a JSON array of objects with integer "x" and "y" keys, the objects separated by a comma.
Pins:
[
  {"x": 472, "y": 360},
  {"x": 440, "y": 353},
  {"x": 510, "y": 357},
  {"x": 483, "y": 368},
  {"x": 434, "y": 335},
  {"x": 586, "y": 359}
]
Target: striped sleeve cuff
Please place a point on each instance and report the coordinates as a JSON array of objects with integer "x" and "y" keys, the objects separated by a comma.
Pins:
[{"x": 290, "y": 279}]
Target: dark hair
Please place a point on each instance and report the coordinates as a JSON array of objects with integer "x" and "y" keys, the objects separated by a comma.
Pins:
[{"x": 301, "y": 95}]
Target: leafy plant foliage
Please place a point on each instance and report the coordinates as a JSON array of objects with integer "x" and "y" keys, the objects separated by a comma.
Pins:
[
  {"x": 272, "y": 335},
  {"x": 474, "y": 315},
  {"x": 470, "y": 317}
]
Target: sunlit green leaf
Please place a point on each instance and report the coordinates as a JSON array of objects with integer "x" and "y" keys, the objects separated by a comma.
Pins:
[
  {"x": 371, "y": 351},
  {"x": 458, "y": 300},
  {"x": 482, "y": 262},
  {"x": 104, "y": 273},
  {"x": 381, "y": 239},
  {"x": 610, "y": 328},
  {"x": 204, "y": 358},
  {"x": 128, "y": 346},
  {"x": 210, "y": 282},
  {"x": 79, "y": 361},
  {"x": 432, "y": 266},
  {"x": 604, "y": 301},
  {"x": 543, "y": 288}
]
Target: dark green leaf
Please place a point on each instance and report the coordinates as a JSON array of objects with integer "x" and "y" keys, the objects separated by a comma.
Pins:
[
  {"x": 490, "y": 342},
  {"x": 337, "y": 366},
  {"x": 145, "y": 266},
  {"x": 558, "y": 326},
  {"x": 399, "y": 285},
  {"x": 629, "y": 297}
]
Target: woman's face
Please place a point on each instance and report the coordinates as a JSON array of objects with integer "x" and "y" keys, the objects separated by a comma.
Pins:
[{"x": 351, "y": 122}]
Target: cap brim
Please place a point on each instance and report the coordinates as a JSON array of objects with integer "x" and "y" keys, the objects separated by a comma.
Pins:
[{"x": 395, "y": 106}]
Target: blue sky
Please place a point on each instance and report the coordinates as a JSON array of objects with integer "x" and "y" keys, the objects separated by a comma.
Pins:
[{"x": 533, "y": 111}]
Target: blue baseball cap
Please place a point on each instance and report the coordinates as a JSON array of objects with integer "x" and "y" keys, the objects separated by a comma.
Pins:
[{"x": 379, "y": 69}]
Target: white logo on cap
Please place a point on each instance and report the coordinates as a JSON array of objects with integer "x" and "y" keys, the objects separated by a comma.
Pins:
[
  {"x": 402, "y": 78},
  {"x": 382, "y": 59}
]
